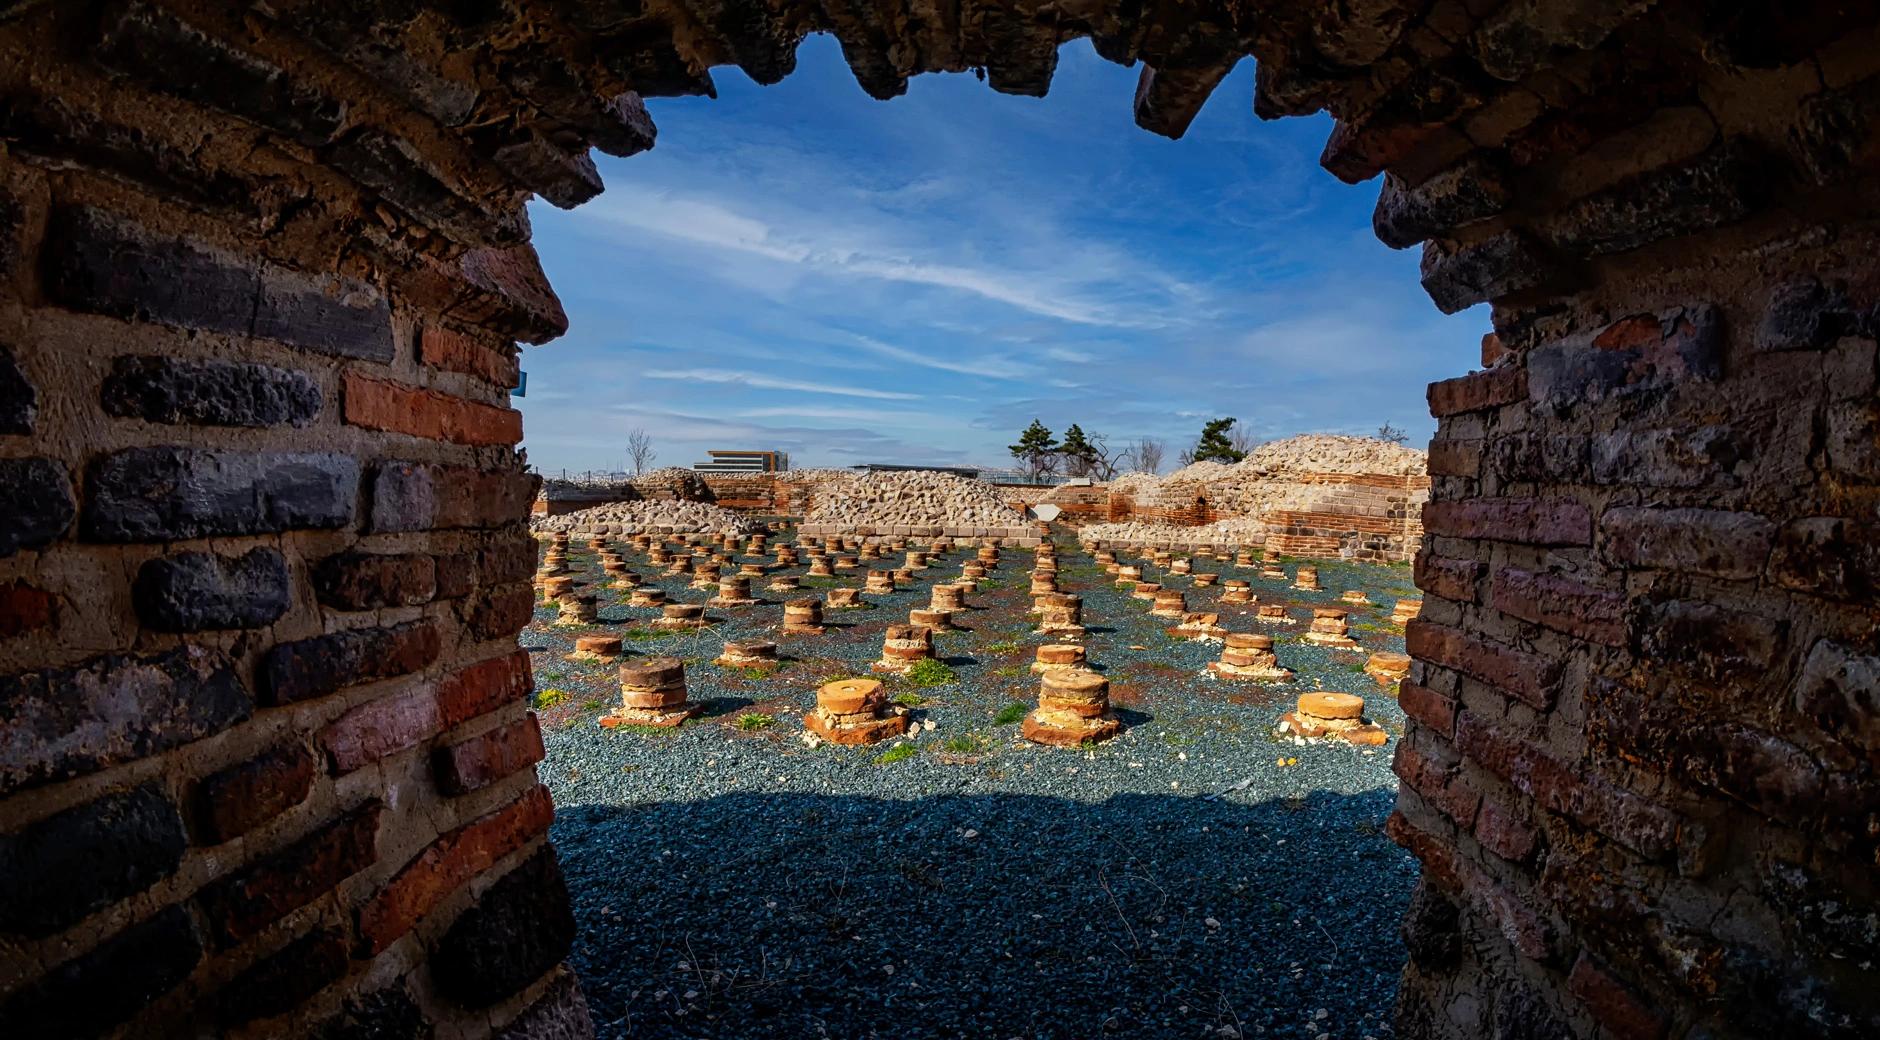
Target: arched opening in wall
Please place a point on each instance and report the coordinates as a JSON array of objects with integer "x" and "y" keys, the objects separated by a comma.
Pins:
[{"x": 800, "y": 267}]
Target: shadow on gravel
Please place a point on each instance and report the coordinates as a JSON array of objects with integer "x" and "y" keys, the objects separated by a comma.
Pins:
[{"x": 987, "y": 916}]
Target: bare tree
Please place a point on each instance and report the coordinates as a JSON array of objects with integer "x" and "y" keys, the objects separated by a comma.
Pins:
[
  {"x": 640, "y": 449},
  {"x": 1147, "y": 455},
  {"x": 1390, "y": 433},
  {"x": 1241, "y": 440},
  {"x": 1103, "y": 462},
  {"x": 1186, "y": 458}
]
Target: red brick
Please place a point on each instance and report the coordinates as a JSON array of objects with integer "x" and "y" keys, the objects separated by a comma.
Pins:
[
  {"x": 484, "y": 687},
  {"x": 1524, "y": 520},
  {"x": 246, "y": 795},
  {"x": 369, "y": 581},
  {"x": 242, "y": 904},
  {"x": 1438, "y": 785},
  {"x": 1564, "y": 788},
  {"x": 1455, "y": 457},
  {"x": 500, "y": 612},
  {"x": 1450, "y": 579},
  {"x": 1528, "y": 678},
  {"x": 1694, "y": 541},
  {"x": 1622, "y": 1012},
  {"x": 379, "y": 728},
  {"x": 486, "y": 758},
  {"x": 1561, "y": 604},
  {"x": 1476, "y": 391},
  {"x": 456, "y": 352},
  {"x": 1492, "y": 349},
  {"x": 418, "y": 496},
  {"x": 25, "y": 608},
  {"x": 380, "y": 405},
  {"x": 1503, "y": 832},
  {"x": 1428, "y": 707},
  {"x": 508, "y": 291},
  {"x": 448, "y": 863},
  {"x": 1525, "y": 931}
]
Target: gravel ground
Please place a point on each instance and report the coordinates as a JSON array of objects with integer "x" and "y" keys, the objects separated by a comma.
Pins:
[{"x": 1194, "y": 877}]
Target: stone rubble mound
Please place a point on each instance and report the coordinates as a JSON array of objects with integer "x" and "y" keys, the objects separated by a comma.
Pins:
[
  {"x": 651, "y": 516},
  {"x": 914, "y": 502},
  {"x": 1264, "y": 479},
  {"x": 1227, "y": 534}
]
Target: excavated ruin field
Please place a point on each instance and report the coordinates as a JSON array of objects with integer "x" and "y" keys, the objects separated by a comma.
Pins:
[{"x": 1194, "y": 877}]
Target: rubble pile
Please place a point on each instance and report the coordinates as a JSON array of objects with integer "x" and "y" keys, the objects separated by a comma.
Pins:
[
  {"x": 1264, "y": 479},
  {"x": 649, "y": 516},
  {"x": 918, "y": 503},
  {"x": 1235, "y": 532}
]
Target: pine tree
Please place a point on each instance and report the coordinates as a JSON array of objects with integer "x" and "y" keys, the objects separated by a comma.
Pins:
[
  {"x": 1035, "y": 447},
  {"x": 1077, "y": 451},
  {"x": 1214, "y": 445}
]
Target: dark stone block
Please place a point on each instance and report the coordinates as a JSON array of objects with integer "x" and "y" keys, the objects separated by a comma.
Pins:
[
  {"x": 38, "y": 506},
  {"x": 309, "y": 668},
  {"x": 1486, "y": 271},
  {"x": 561, "y": 178},
  {"x": 11, "y": 216},
  {"x": 394, "y": 169},
  {"x": 191, "y": 592},
  {"x": 337, "y": 317},
  {"x": 1806, "y": 315},
  {"x": 97, "y": 263},
  {"x": 65, "y": 722},
  {"x": 1430, "y": 929},
  {"x": 1634, "y": 355},
  {"x": 560, "y": 1013},
  {"x": 385, "y": 1014},
  {"x": 161, "y": 494},
  {"x": 284, "y": 979},
  {"x": 209, "y": 393},
  {"x": 518, "y": 931},
  {"x": 241, "y": 904},
  {"x": 19, "y": 402},
  {"x": 1720, "y": 187},
  {"x": 368, "y": 581},
  {"x": 86, "y": 996},
  {"x": 245, "y": 796},
  {"x": 73, "y": 863},
  {"x": 1460, "y": 195}
]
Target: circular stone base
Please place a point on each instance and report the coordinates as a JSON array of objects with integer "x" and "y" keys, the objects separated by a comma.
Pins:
[
  {"x": 1321, "y": 639},
  {"x": 644, "y": 717},
  {"x": 870, "y": 732},
  {"x": 803, "y": 630},
  {"x": 1063, "y": 729}
]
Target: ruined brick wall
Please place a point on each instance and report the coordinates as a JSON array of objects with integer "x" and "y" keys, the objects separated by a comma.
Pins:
[{"x": 266, "y": 760}]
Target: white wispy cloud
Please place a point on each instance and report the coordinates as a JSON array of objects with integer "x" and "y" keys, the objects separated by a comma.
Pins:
[
  {"x": 989, "y": 367},
  {"x": 763, "y": 382}
]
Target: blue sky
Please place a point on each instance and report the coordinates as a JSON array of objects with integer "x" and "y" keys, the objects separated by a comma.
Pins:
[{"x": 804, "y": 268}]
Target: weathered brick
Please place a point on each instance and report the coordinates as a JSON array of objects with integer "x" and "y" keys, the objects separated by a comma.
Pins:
[
  {"x": 1853, "y": 438},
  {"x": 1524, "y": 520},
  {"x": 500, "y": 612},
  {"x": 401, "y": 174},
  {"x": 1478, "y": 391},
  {"x": 488, "y": 757},
  {"x": 19, "y": 402},
  {"x": 1694, "y": 541},
  {"x": 484, "y": 687},
  {"x": 413, "y": 496},
  {"x": 388, "y": 1013},
  {"x": 1485, "y": 271},
  {"x": 1706, "y": 642},
  {"x": 1560, "y": 603},
  {"x": 378, "y": 404},
  {"x": 326, "y": 664},
  {"x": 1493, "y": 350},
  {"x": 1682, "y": 458},
  {"x": 447, "y": 864},
  {"x": 379, "y": 728},
  {"x": 1721, "y": 186},
  {"x": 455, "y": 351},
  {"x": 284, "y": 979},
  {"x": 164, "y": 494},
  {"x": 195, "y": 591},
  {"x": 61, "y": 869},
  {"x": 560, "y": 1013},
  {"x": 1540, "y": 458},
  {"x": 509, "y": 295},
  {"x": 518, "y": 930},
  {"x": 121, "y": 976},
  {"x": 161, "y": 51},
  {"x": 64, "y": 722},
  {"x": 103, "y": 264},
  {"x": 368, "y": 581},
  {"x": 236, "y": 800},
  {"x": 26, "y": 608},
  {"x": 1460, "y": 195},
  {"x": 1566, "y": 790},
  {"x": 456, "y": 574},
  {"x": 209, "y": 393},
  {"x": 1828, "y": 556},
  {"x": 1431, "y": 928},
  {"x": 38, "y": 506},
  {"x": 1439, "y": 785},
  {"x": 1839, "y": 691},
  {"x": 508, "y": 558},
  {"x": 1450, "y": 579},
  {"x": 1428, "y": 707},
  {"x": 1636, "y": 354},
  {"x": 1520, "y": 926},
  {"x": 1624, "y": 1014},
  {"x": 1529, "y": 678},
  {"x": 1504, "y": 832},
  {"x": 1806, "y": 315},
  {"x": 241, "y": 904},
  {"x": 1452, "y": 457},
  {"x": 562, "y": 178}
]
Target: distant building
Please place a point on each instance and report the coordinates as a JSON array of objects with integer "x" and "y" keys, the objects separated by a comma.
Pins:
[
  {"x": 969, "y": 472},
  {"x": 743, "y": 462}
]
